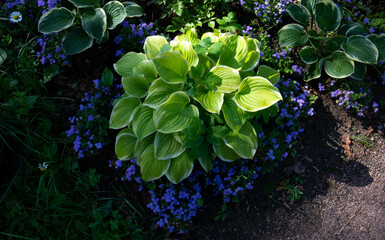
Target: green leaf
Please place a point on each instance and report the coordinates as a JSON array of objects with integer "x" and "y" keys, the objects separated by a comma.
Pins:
[
  {"x": 359, "y": 71},
  {"x": 233, "y": 52},
  {"x": 339, "y": 65},
  {"x": 107, "y": 77},
  {"x": 185, "y": 48},
  {"x": 299, "y": 13},
  {"x": 55, "y": 20},
  {"x": 190, "y": 36},
  {"x": 171, "y": 67},
  {"x": 328, "y": 15},
  {"x": 210, "y": 101},
  {"x": 146, "y": 69},
  {"x": 244, "y": 142},
  {"x": 175, "y": 114},
  {"x": 3, "y": 55},
  {"x": 379, "y": 42},
  {"x": 122, "y": 112},
  {"x": 135, "y": 85},
  {"x": 133, "y": 9},
  {"x": 308, "y": 55},
  {"x": 361, "y": 49},
  {"x": 256, "y": 93},
  {"x": 309, "y": 4},
  {"x": 225, "y": 153},
  {"x": 226, "y": 79},
  {"x": 180, "y": 168},
  {"x": 115, "y": 12},
  {"x": 206, "y": 162},
  {"x": 153, "y": 44},
  {"x": 269, "y": 73},
  {"x": 313, "y": 71},
  {"x": 84, "y": 3},
  {"x": 234, "y": 115},
  {"x": 315, "y": 40},
  {"x": 335, "y": 43},
  {"x": 166, "y": 146},
  {"x": 356, "y": 29},
  {"x": 125, "y": 144},
  {"x": 150, "y": 167},
  {"x": 143, "y": 122},
  {"x": 292, "y": 35},
  {"x": 159, "y": 92},
  {"x": 76, "y": 40},
  {"x": 253, "y": 55},
  {"x": 94, "y": 22},
  {"x": 140, "y": 146},
  {"x": 125, "y": 65}
]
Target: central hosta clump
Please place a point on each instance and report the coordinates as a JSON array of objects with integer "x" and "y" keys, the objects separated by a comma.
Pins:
[{"x": 191, "y": 100}]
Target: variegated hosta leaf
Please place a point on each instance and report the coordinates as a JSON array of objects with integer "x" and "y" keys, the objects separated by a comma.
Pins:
[
  {"x": 125, "y": 144},
  {"x": 159, "y": 92},
  {"x": 141, "y": 145},
  {"x": 190, "y": 36},
  {"x": 143, "y": 122},
  {"x": 379, "y": 42},
  {"x": 180, "y": 168},
  {"x": 150, "y": 167},
  {"x": 166, "y": 146},
  {"x": 171, "y": 66},
  {"x": 135, "y": 85},
  {"x": 206, "y": 162},
  {"x": 253, "y": 55},
  {"x": 228, "y": 78},
  {"x": 233, "y": 52},
  {"x": 360, "y": 49},
  {"x": 175, "y": 114},
  {"x": 146, "y": 69},
  {"x": 269, "y": 73},
  {"x": 153, "y": 44},
  {"x": 116, "y": 13},
  {"x": 185, "y": 48},
  {"x": 122, "y": 112},
  {"x": 256, "y": 93},
  {"x": 339, "y": 65},
  {"x": 125, "y": 65},
  {"x": 244, "y": 142},
  {"x": 225, "y": 153},
  {"x": 94, "y": 22},
  {"x": 210, "y": 101},
  {"x": 234, "y": 115}
]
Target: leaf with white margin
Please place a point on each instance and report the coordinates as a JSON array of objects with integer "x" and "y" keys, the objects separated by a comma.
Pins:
[
  {"x": 379, "y": 42},
  {"x": 126, "y": 64},
  {"x": 94, "y": 22},
  {"x": 55, "y": 20},
  {"x": 135, "y": 85},
  {"x": 256, "y": 93},
  {"x": 171, "y": 66},
  {"x": 150, "y": 167},
  {"x": 253, "y": 55},
  {"x": 116, "y": 13},
  {"x": 122, "y": 112},
  {"x": 339, "y": 65},
  {"x": 143, "y": 122},
  {"x": 225, "y": 153},
  {"x": 153, "y": 44},
  {"x": 180, "y": 168},
  {"x": 166, "y": 146},
  {"x": 146, "y": 69},
  {"x": 360, "y": 49},
  {"x": 185, "y": 48},
  {"x": 230, "y": 78},
  {"x": 190, "y": 36},
  {"x": 125, "y": 144},
  {"x": 210, "y": 101},
  {"x": 141, "y": 145},
  {"x": 159, "y": 92},
  {"x": 175, "y": 114},
  {"x": 244, "y": 142},
  {"x": 234, "y": 115},
  {"x": 233, "y": 52}
]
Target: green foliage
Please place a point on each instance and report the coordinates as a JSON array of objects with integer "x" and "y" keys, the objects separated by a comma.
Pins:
[
  {"x": 196, "y": 97},
  {"x": 95, "y": 19},
  {"x": 341, "y": 53}
]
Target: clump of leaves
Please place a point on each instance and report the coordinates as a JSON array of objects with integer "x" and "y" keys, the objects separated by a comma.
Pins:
[
  {"x": 341, "y": 50},
  {"x": 191, "y": 100}
]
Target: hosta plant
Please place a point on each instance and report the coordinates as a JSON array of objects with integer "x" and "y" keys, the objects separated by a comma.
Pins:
[
  {"x": 94, "y": 19},
  {"x": 190, "y": 100},
  {"x": 341, "y": 50}
]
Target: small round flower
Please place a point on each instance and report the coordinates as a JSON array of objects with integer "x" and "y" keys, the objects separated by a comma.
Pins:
[
  {"x": 43, "y": 166},
  {"x": 15, "y": 17}
]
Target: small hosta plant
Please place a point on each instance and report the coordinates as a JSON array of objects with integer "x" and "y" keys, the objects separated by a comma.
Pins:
[
  {"x": 95, "y": 20},
  {"x": 190, "y": 100},
  {"x": 341, "y": 50}
]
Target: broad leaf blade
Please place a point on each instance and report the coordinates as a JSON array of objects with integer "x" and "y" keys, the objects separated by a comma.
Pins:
[
  {"x": 253, "y": 55},
  {"x": 233, "y": 52},
  {"x": 133, "y": 9},
  {"x": 308, "y": 55},
  {"x": 55, "y": 20},
  {"x": 76, "y": 40},
  {"x": 243, "y": 142},
  {"x": 361, "y": 49},
  {"x": 3, "y": 55},
  {"x": 159, "y": 92},
  {"x": 339, "y": 65},
  {"x": 146, "y": 69},
  {"x": 125, "y": 144},
  {"x": 206, "y": 162},
  {"x": 269, "y": 73},
  {"x": 150, "y": 167},
  {"x": 153, "y": 44},
  {"x": 84, "y": 3},
  {"x": 359, "y": 71},
  {"x": 135, "y": 85},
  {"x": 234, "y": 115},
  {"x": 210, "y": 101},
  {"x": 171, "y": 66},
  {"x": 292, "y": 35},
  {"x": 94, "y": 22},
  {"x": 313, "y": 71},
  {"x": 122, "y": 112},
  {"x": 166, "y": 146},
  {"x": 225, "y": 153},
  {"x": 379, "y": 42},
  {"x": 299, "y": 13},
  {"x": 143, "y": 122},
  {"x": 185, "y": 48},
  {"x": 328, "y": 15},
  {"x": 115, "y": 12},
  {"x": 225, "y": 79},
  {"x": 180, "y": 168},
  {"x": 125, "y": 65}
]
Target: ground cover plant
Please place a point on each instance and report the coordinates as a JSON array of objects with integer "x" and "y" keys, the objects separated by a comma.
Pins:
[{"x": 202, "y": 100}]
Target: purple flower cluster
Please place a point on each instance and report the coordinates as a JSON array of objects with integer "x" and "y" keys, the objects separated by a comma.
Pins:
[
  {"x": 9, "y": 4},
  {"x": 349, "y": 99},
  {"x": 51, "y": 53},
  {"x": 89, "y": 127},
  {"x": 132, "y": 36},
  {"x": 298, "y": 69},
  {"x": 270, "y": 11},
  {"x": 282, "y": 54}
]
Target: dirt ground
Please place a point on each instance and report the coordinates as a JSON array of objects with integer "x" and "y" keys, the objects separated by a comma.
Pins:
[{"x": 342, "y": 163}]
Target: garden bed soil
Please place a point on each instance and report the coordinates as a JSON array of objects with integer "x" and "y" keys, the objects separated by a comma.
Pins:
[{"x": 343, "y": 189}]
